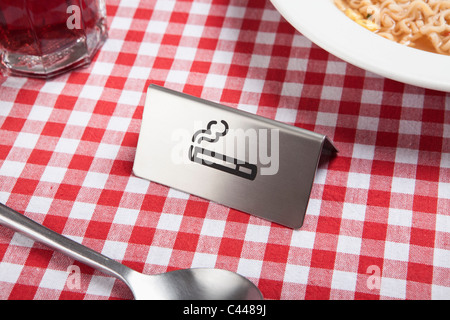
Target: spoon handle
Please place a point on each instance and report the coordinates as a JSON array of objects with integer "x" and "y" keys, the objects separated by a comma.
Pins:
[{"x": 20, "y": 223}]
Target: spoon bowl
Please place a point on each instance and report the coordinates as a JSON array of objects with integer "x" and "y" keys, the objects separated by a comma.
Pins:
[
  {"x": 183, "y": 284},
  {"x": 193, "y": 284}
]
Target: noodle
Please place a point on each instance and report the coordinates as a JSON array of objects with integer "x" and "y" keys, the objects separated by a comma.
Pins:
[{"x": 423, "y": 24}]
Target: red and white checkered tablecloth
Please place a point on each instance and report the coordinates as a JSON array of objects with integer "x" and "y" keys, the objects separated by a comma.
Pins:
[{"x": 378, "y": 221}]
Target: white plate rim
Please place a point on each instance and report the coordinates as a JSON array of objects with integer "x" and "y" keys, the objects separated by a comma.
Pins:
[{"x": 325, "y": 25}]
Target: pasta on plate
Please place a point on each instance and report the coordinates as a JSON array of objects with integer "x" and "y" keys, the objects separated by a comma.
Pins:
[{"x": 422, "y": 24}]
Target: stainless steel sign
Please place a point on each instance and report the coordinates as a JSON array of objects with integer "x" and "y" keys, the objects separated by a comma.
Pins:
[{"x": 244, "y": 161}]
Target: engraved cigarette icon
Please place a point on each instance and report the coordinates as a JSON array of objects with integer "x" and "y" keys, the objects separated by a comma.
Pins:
[{"x": 217, "y": 160}]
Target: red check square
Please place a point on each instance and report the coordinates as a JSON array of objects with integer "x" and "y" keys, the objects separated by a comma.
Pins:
[
  {"x": 53, "y": 129},
  {"x": 13, "y": 124},
  {"x": 323, "y": 259},
  {"x": 25, "y": 186},
  {"x": 41, "y": 157},
  {"x": 420, "y": 273},
  {"x": 374, "y": 230},
  {"x": 153, "y": 203},
  {"x": 196, "y": 208},
  {"x": 231, "y": 247},
  {"x": 142, "y": 235},
  {"x": 425, "y": 204},
  {"x": 276, "y": 253},
  {"x": 186, "y": 241},
  {"x": 97, "y": 230},
  {"x": 39, "y": 258},
  {"x": 26, "y": 96},
  {"x": 65, "y": 102},
  {"x": 110, "y": 197},
  {"x": 67, "y": 192},
  {"x": 23, "y": 292},
  {"x": 422, "y": 237},
  {"x": 80, "y": 162},
  {"x": 271, "y": 288},
  {"x": 55, "y": 223},
  {"x": 93, "y": 134},
  {"x": 378, "y": 198}
]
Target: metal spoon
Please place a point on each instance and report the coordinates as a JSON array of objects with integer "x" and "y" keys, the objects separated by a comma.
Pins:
[{"x": 192, "y": 284}]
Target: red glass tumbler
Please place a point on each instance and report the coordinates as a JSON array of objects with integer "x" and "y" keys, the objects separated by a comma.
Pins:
[{"x": 46, "y": 38}]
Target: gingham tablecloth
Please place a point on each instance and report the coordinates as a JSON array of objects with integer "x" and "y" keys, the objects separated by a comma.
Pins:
[{"x": 378, "y": 220}]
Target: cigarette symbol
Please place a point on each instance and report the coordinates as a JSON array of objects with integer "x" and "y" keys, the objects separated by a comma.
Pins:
[{"x": 217, "y": 160}]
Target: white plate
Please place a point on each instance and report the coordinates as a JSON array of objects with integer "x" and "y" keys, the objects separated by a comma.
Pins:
[{"x": 325, "y": 25}]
